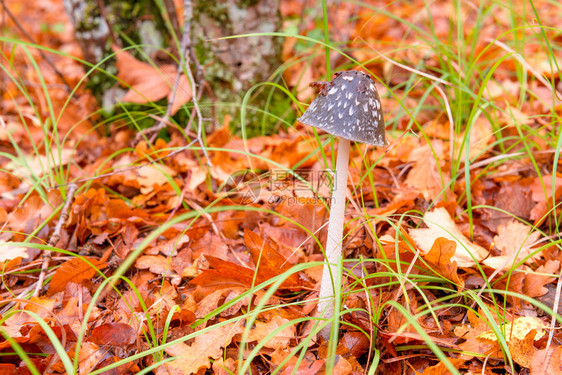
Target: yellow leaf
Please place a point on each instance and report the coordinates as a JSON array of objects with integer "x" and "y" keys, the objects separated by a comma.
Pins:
[{"x": 518, "y": 329}]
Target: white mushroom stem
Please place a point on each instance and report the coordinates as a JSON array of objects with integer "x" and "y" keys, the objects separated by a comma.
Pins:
[{"x": 330, "y": 285}]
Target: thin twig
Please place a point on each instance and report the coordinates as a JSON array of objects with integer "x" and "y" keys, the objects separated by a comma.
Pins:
[
  {"x": 539, "y": 77},
  {"x": 132, "y": 168},
  {"x": 103, "y": 14},
  {"x": 187, "y": 56},
  {"x": 30, "y": 38},
  {"x": 186, "y": 51},
  {"x": 55, "y": 237}
]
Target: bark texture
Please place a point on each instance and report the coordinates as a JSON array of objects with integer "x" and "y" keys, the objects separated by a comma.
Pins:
[{"x": 230, "y": 66}]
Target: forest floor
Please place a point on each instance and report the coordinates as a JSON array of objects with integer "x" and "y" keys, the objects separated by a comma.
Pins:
[{"x": 165, "y": 262}]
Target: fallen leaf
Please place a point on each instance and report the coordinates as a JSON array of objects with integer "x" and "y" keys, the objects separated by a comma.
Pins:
[
  {"x": 75, "y": 270},
  {"x": 280, "y": 340},
  {"x": 38, "y": 165},
  {"x": 514, "y": 240},
  {"x": 426, "y": 175},
  {"x": 150, "y": 84},
  {"x": 547, "y": 361},
  {"x": 9, "y": 252},
  {"x": 357, "y": 343},
  {"x": 114, "y": 334},
  {"x": 192, "y": 358},
  {"x": 441, "y": 224},
  {"x": 153, "y": 175},
  {"x": 518, "y": 329},
  {"x": 481, "y": 135},
  {"x": 268, "y": 261},
  {"x": 534, "y": 283},
  {"x": 440, "y": 255}
]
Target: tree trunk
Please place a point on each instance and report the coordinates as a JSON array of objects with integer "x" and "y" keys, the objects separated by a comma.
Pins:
[{"x": 229, "y": 66}]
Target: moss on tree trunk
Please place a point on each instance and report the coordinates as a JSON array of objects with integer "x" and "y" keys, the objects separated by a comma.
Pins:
[{"x": 230, "y": 66}]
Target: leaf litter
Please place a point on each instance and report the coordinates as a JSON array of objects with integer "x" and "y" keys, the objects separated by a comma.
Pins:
[{"x": 409, "y": 239}]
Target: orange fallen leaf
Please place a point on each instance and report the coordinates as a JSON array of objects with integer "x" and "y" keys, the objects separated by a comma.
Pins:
[
  {"x": 426, "y": 175},
  {"x": 440, "y": 255},
  {"x": 534, "y": 282},
  {"x": 280, "y": 340},
  {"x": 150, "y": 84},
  {"x": 440, "y": 224},
  {"x": 194, "y": 357},
  {"x": 115, "y": 334},
  {"x": 268, "y": 260},
  {"x": 515, "y": 241},
  {"x": 75, "y": 270}
]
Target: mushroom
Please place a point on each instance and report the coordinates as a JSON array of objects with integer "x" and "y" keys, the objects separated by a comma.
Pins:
[{"x": 349, "y": 108}]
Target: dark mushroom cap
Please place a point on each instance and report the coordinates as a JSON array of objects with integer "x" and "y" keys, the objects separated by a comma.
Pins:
[{"x": 348, "y": 107}]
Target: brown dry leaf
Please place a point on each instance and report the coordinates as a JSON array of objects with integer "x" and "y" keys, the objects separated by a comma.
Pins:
[
  {"x": 440, "y": 256},
  {"x": 534, "y": 283},
  {"x": 425, "y": 175},
  {"x": 310, "y": 367},
  {"x": 225, "y": 274},
  {"x": 475, "y": 344},
  {"x": 89, "y": 357},
  {"x": 38, "y": 164},
  {"x": 520, "y": 336},
  {"x": 157, "y": 264},
  {"x": 75, "y": 270},
  {"x": 342, "y": 366},
  {"x": 46, "y": 306},
  {"x": 153, "y": 175},
  {"x": 441, "y": 224},
  {"x": 115, "y": 334},
  {"x": 281, "y": 339},
  {"x": 481, "y": 135},
  {"x": 11, "y": 252},
  {"x": 522, "y": 350},
  {"x": 149, "y": 84},
  {"x": 441, "y": 369},
  {"x": 268, "y": 260},
  {"x": 518, "y": 329},
  {"x": 224, "y": 367},
  {"x": 169, "y": 247},
  {"x": 513, "y": 198},
  {"x": 357, "y": 343},
  {"x": 192, "y": 358},
  {"x": 542, "y": 194},
  {"x": 28, "y": 216},
  {"x": 219, "y": 297},
  {"x": 547, "y": 361},
  {"x": 300, "y": 77},
  {"x": 514, "y": 241}
]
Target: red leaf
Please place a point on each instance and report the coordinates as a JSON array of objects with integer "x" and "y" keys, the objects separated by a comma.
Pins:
[
  {"x": 75, "y": 270},
  {"x": 115, "y": 334}
]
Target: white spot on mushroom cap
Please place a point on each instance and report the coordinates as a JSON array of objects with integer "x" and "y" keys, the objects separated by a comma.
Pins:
[{"x": 351, "y": 111}]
